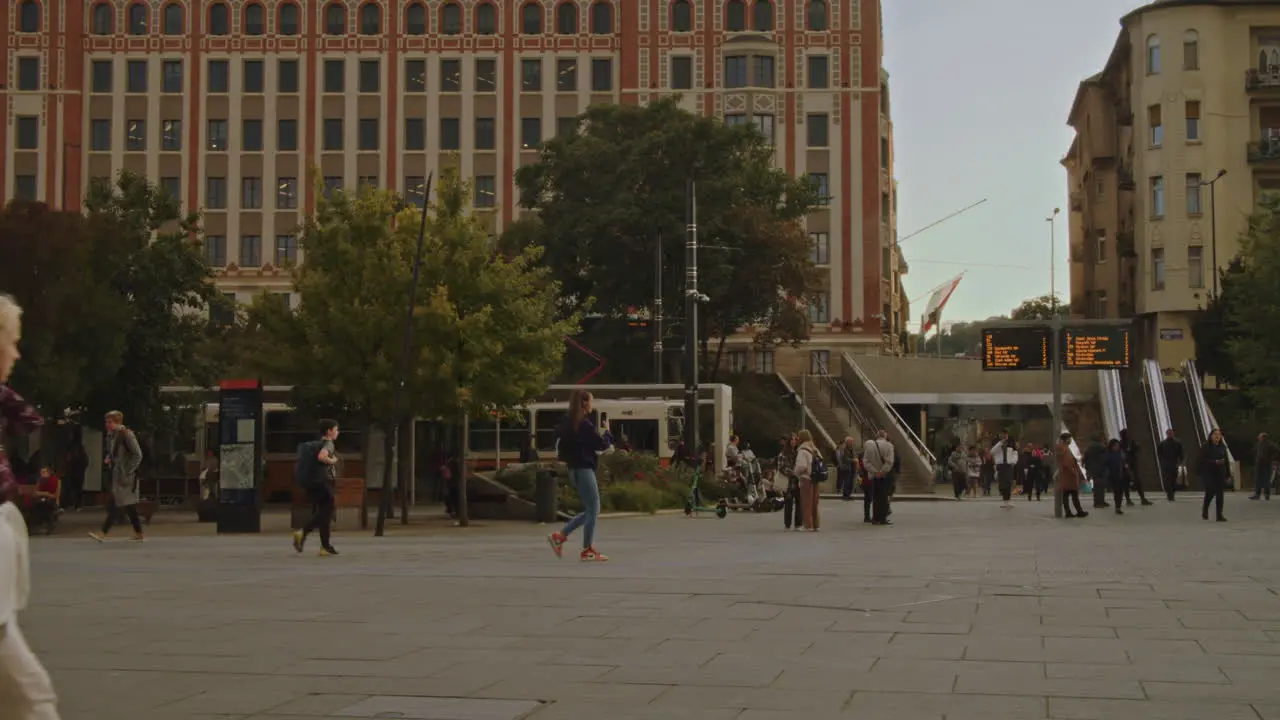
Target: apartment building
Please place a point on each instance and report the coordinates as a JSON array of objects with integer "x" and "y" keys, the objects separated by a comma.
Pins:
[
  {"x": 230, "y": 105},
  {"x": 1175, "y": 141}
]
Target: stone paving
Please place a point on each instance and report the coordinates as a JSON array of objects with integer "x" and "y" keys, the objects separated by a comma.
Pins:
[{"x": 962, "y": 611}]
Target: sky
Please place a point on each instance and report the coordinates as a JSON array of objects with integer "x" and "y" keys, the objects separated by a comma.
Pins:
[{"x": 980, "y": 93}]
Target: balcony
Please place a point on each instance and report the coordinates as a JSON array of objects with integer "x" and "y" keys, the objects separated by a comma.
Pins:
[
  {"x": 1124, "y": 116},
  {"x": 1266, "y": 150},
  {"x": 1262, "y": 80},
  {"x": 1124, "y": 178},
  {"x": 1076, "y": 199},
  {"x": 1124, "y": 244}
]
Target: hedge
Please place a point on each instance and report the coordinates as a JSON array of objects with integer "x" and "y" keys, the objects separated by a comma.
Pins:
[{"x": 629, "y": 482}]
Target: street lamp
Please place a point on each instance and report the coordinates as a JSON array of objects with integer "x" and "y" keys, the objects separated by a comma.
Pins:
[
  {"x": 1053, "y": 265},
  {"x": 1213, "y": 225}
]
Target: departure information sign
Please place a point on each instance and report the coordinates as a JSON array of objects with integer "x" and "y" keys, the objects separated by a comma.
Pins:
[
  {"x": 1015, "y": 348},
  {"x": 1095, "y": 348}
]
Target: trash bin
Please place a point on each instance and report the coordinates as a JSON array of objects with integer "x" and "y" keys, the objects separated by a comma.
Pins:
[{"x": 544, "y": 496}]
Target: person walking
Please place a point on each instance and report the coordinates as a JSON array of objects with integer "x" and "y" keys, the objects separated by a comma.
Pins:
[
  {"x": 1005, "y": 456},
  {"x": 878, "y": 456},
  {"x": 958, "y": 466},
  {"x": 1133, "y": 481},
  {"x": 1114, "y": 471},
  {"x": 1264, "y": 466},
  {"x": 1069, "y": 477},
  {"x": 973, "y": 471},
  {"x": 784, "y": 465},
  {"x": 26, "y": 692},
  {"x": 846, "y": 458},
  {"x": 1214, "y": 473},
  {"x": 1095, "y": 464},
  {"x": 1032, "y": 469},
  {"x": 811, "y": 472},
  {"x": 1171, "y": 458},
  {"x": 580, "y": 445},
  {"x": 124, "y": 457},
  {"x": 317, "y": 461}
]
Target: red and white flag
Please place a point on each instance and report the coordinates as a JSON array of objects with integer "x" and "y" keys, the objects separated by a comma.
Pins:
[{"x": 937, "y": 301}]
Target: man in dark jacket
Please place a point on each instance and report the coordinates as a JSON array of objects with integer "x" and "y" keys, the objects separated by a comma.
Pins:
[
  {"x": 1264, "y": 466},
  {"x": 1171, "y": 458},
  {"x": 1095, "y": 465}
]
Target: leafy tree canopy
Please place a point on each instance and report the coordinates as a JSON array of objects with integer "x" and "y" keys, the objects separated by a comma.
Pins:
[
  {"x": 1213, "y": 330},
  {"x": 1251, "y": 308},
  {"x": 608, "y": 195},
  {"x": 1040, "y": 308}
]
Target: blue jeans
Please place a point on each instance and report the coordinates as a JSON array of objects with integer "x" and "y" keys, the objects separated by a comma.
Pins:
[
  {"x": 1262, "y": 481},
  {"x": 584, "y": 480}
]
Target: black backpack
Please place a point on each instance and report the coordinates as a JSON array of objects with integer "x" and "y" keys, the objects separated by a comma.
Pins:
[
  {"x": 306, "y": 468},
  {"x": 565, "y": 440},
  {"x": 818, "y": 468}
]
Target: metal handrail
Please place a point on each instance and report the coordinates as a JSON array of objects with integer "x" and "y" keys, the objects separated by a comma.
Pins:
[
  {"x": 1149, "y": 395},
  {"x": 875, "y": 392},
  {"x": 1200, "y": 406},
  {"x": 836, "y": 387}
]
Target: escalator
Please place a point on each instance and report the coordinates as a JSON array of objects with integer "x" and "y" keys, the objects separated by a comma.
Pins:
[
  {"x": 917, "y": 462},
  {"x": 1182, "y": 420},
  {"x": 1140, "y": 427},
  {"x": 1202, "y": 417},
  {"x": 1158, "y": 411}
]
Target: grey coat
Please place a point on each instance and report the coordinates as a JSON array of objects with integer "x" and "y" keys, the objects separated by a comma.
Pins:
[{"x": 126, "y": 457}]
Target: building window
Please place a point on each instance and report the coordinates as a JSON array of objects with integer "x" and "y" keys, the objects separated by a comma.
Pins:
[
  {"x": 531, "y": 74},
  {"x": 681, "y": 16},
  {"x": 1102, "y": 303},
  {"x": 601, "y": 18},
  {"x": 735, "y": 16},
  {"x": 367, "y": 181},
  {"x": 531, "y": 133},
  {"x": 255, "y": 20},
  {"x": 415, "y": 76},
  {"x": 332, "y": 186},
  {"x": 102, "y": 75},
  {"x": 135, "y": 75},
  {"x": 1193, "y": 121},
  {"x": 566, "y": 126},
  {"x": 28, "y": 132},
  {"x": 335, "y": 19},
  {"x": 764, "y": 361},
  {"x": 762, "y": 71},
  {"x": 287, "y": 194},
  {"x": 601, "y": 74},
  {"x": 289, "y": 20},
  {"x": 171, "y": 76},
  {"x": 415, "y": 190},
  {"x": 287, "y": 76},
  {"x": 1191, "y": 50},
  {"x": 815, "y": 125},
  {"x": 816, "y": 17},
  {"x": 219, "y": 19},
  {"x": 251, "y": 193},
  {"x": 368, "y": 134},
  {"x": 286, "y": 250},
  {"x": 370, "y": 76},
  {"x": 1153, "y": 55},
  {"x": 486, "y": 135},
  {"x": 335, "y": 72},
  {"x": 415, "y": 134},
  {"x": 451, "y": 19},
  {"x": 1100, "y": 189},
  {"x": 451, "y": 75},
  {"x": 219, "y": 76},
  {"x": 762, "y": 16},
  {"x": 486, "y": 75},
  {"x": 172, "y": 187},
  {"x": 819, "y": 72},
  {"x": 1102, "y": 246},
  {"x": 1157, "y": 126},
  {"x": 819, "y": 361},
  {"x": 287, "y": 135},
  {"x": 100, "y": 135},
  {"x": 737, "y": 361},
  {"x": 822, "y": 186},
  {"x": 735, "y": 119},
  {"x": 1194, "y": 206},
  {"x": 820, "y": 309},
  {"x": 819, "y": 248},
  {"x": 681, "y": 72},
  {"x": 215, "y": 193},
  {"x": 735, "y": 71},
  {"x": 135, "y": 135},
  {"x": 1195, "y": 266},
  {"x": 370, "y": 19},
  {"x": 173, "y": 19},
  {"x": 1157, "y": 268},
  {"x": 764, "y": 126},
  {"x": 217, "y": 135},
  {"x": 486, "y": 191},
  {"x": 251, "y": 251},
  {"x": 251, "y": 135},
  {"x": 567, "y": 18},
  {"x": 566, "y": 75},
  {"x": 137, "y": 18},
  {"x": 1157, "y": 197},
  {"x": 531, "y": 19},
  {"x": 171, "y": 135},
  {"x": 24, "y": 187},
  {"x": 255, "y": 77},
  {"x": 215, "y": 250},
  {"x": 415, "y": 19},
  {"x": 28, "y": 16},
  {"x": 332, "y": 134},
  {"x": 450, "y": 134},
  {"x": 486, "y": 19}
]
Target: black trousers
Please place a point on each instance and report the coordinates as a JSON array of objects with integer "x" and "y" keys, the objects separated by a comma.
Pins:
[
  {"x": 1118, "y": 492},
  {"x": 791, "y": 504},
  {"x": 321, "y": 497},
  {"x": 1214, "y": 491},
  {"x": 113, "y": 510},
  {"x": 1070, "y": 497},
  {"x": 1132, "y": 480},
  {"x": 1099, "y": 489},
  {"x": 1030, "y": 484},
  {"x": 880, "y": 499},
  {"x": 868, "y": 497},
  {"x": 958, "y": 483},
  {"x": 845, "y": 480},
  {"x": 1004, "y": 478},
  {"x": 1170, "y": 473}
]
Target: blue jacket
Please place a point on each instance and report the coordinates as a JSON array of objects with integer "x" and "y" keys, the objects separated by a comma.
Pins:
[
  {"x": 1114, "y": 464},
  {"x": 579, "y": 449}
]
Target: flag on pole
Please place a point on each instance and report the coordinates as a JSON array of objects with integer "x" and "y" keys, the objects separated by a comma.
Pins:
[{"x": 937, "y": 301}]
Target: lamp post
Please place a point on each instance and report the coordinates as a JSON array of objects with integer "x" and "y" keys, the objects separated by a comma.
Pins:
[
  {"x": 1055, "y": 327},
  {"x": 1213, "y": 225},
  {"x": 691, "y": 321},
  {"x": 1053, "y": 263}
]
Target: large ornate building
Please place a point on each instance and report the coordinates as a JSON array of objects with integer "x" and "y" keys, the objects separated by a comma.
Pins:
[{"x": 230, "y": 103}]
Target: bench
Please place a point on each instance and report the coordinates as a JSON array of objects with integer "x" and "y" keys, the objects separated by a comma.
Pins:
[{"x": 349, "y": 494}]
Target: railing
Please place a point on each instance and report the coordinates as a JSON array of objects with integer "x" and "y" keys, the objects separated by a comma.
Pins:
[
  {"x": 1157, "y": 409},
  {"x": 1111, "y": 397},
  {"x": 1255, "y": 79},
  {"x": 835, "y": 389},
  {"x": 912, "y": 437},
  {"x": 1205, "y": 422},
  {"x": 1264, "y": 150}
]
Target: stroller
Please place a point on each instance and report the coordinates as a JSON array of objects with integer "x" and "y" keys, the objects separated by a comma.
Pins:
[{"x": 39, "y": 503}]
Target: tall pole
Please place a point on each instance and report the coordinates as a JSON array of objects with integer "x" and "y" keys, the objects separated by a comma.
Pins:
[
  {"x": 691, "y": 320},
  {"x": 1055, "y": 327},
  {"x": 1213, "y": 225},
  {"x": 657, "y": 312},
  {"x": 1053, "y": 263},
  {"x": 406, "y": 342}
]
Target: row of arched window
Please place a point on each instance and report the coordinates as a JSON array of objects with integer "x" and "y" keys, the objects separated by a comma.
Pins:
[
  {"x": 600, "y": 18},
  {"x": 1190, "y": 52}
]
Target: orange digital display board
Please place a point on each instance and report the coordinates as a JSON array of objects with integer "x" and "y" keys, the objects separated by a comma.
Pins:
[
  {"x": 1015, "y": 348},
  {"x": 1095, "y": 348}
]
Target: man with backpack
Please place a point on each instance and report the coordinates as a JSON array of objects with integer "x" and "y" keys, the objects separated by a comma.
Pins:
[{"x": 314, "y": 471}]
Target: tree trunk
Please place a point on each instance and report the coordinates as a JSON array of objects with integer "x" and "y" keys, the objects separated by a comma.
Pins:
[
  {"x": 464, "y": 513},
  {"x": 406, "y": 457},
  {"x": 388, "y": 458},
  {"x": 715, "y": 366}
]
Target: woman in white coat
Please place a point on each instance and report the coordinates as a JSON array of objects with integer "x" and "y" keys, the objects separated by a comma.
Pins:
[{"x": 26, "y": 693}]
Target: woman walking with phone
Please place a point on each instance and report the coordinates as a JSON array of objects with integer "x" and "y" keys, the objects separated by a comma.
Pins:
[{"x": 579, "y": 444}]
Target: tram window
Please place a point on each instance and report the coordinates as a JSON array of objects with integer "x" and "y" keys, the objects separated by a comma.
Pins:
[
  {"x": 546, "y": 422},
  {"x": 641, "y": 435},
  {"x": 286, "y": 429},
  {"x": 486, "y": 436}
]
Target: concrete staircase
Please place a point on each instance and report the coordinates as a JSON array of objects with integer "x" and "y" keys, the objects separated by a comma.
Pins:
[
  {"x": 917, "y": 469},
  {"x": 829, "y": 412}
]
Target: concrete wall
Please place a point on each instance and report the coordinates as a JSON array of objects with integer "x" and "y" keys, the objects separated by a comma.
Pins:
[{"x": 954, "y": 376}]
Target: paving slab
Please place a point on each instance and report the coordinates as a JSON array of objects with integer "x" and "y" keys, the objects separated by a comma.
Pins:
[{"x": 959, "y": 611}]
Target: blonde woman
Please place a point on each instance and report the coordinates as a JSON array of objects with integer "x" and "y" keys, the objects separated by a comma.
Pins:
[
  {"x": 26, "y": 693},
  {"x": 806, "y": 455}
]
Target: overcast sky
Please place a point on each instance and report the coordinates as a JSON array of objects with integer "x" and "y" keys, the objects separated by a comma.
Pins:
[{"x": 980, "y": 93}]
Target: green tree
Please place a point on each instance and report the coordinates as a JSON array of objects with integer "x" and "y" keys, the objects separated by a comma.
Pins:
[
  {"x": 1252, "y": 312},
  {"x": 1040, "y": 308},
  {"x": 1213, "y": 329},
  {"x": 611, "y": 199},
  {"x": 151, "y": 252},
  {"x": 488, "y": 335}
]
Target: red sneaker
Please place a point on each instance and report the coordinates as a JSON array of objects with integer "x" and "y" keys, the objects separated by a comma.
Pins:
[
  {"x": 590, "y": 555},
  {"x": 556, "y": 540}
]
